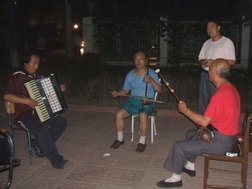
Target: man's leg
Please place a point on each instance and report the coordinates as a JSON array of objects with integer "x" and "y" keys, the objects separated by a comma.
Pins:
[
  {"x": 143, "y": 127},
  {"x": 57, "y": 126},
  {"x": 44, "y": 140},
  {"x": 203, "y": 92},
  {"x": 119, "y": 123}
]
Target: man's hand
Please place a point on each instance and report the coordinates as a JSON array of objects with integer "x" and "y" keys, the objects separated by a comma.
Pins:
[
  {"x": 182, "y": 107},
  {"x": 31, "y": 102},
  {"x": 205, "y": 62},
  {"x": 147, "y": 79},
  {"x": 62, "y": 87},
  {"x": 114, "y": 94}
]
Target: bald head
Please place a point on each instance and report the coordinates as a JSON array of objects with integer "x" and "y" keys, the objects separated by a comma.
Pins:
[{"x": 222, "y": 68}]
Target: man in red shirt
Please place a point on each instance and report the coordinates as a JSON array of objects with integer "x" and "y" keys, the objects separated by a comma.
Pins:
[{"x": 222, "y": 113}]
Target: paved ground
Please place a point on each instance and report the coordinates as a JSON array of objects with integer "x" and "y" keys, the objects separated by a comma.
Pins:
[{"x": 87, "y": 139}]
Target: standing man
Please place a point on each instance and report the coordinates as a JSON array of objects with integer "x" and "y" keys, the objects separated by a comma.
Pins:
[
  {"x": 45, "y": 133},
  {"x": 218, "y": 46},
  {"x": 141, "y": 82},
  {"x": 222, "y": 113}
]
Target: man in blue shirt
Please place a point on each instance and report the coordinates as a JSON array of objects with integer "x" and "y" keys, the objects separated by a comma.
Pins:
[{"x": 141, "y": 82}]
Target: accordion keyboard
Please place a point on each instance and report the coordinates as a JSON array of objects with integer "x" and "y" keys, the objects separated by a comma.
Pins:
[{"x": 34, "y": 93}]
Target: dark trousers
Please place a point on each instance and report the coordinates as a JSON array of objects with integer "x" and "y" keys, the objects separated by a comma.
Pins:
[
  {"x": 206, "y": 90},
  {"x": 46, "y": 134},
  {"x": 193, "y": 146}
]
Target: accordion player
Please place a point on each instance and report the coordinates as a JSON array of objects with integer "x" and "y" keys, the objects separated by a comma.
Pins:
[{"x": 46, "y": 91}]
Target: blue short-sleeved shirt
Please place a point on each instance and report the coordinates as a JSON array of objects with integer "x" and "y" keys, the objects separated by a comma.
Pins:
[{"x": 136, "y": 85}]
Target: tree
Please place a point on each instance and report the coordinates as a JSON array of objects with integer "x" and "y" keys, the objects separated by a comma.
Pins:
[
  {"x": 13, "y": 35},
  {"x": 68, "y": 28}
]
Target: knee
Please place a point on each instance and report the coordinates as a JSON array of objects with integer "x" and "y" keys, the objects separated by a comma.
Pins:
[
  {"x": 178, "y": 148},
  {"x": 119, "y": 115},
  {"x": 61, "y": 121}
]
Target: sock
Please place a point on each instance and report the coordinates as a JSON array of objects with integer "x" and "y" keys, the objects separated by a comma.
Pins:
[
  {"x": 189, "y": 165},
  {"x": 142, "y": 139},
  {"x": 120, "y": 136},
  {"x": 173, "y": 178}
]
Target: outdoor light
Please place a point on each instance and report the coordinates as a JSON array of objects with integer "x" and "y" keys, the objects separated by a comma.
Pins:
[
  {"x": 82, "y": 50},
  {"x": 76, "y": 26}
]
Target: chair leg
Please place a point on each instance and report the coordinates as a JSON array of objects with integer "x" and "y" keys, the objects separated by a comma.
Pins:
[
  {"x": 244, "y": 175},
  {"x": 154, "y": 126},
  {"x": 206, "y": 165},
  {"x": 152, "y": 129},
  {"x": 7, "y": 186},
  {"x": 132, "y": 128},
  {"x": 29, "y": 146}
]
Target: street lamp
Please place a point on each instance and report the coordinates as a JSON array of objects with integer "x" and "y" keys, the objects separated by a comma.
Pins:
[{"x": 75, "y": 26}]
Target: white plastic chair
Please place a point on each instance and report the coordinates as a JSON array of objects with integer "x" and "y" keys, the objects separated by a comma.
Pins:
[{"x": 152, "y": 120}]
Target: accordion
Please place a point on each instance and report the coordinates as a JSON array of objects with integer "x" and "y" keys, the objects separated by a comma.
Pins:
[{"x": 46, "y": 91}]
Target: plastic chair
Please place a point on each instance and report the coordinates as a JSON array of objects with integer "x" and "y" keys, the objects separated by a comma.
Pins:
[
  {"x": 242, "y": 158},
  {"x": 8, "y": 162},
  {"x": 10, "y": 110},
  {"x": 152, "y": 120}
]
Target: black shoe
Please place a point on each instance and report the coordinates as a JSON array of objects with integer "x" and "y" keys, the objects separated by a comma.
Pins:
[
  {"x": 163, "y": 184},
  {"x": 116, "y": 144},
  {"x": 37, "y": 150},
  {"x": 191, "y": 173},
  {"x": 60, "y": 165},
  {"x": 140, "y": 147}
]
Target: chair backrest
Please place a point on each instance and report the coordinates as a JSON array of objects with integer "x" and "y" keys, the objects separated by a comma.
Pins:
[
  {"x": 10, "y": 110},
  {"x": 155, "y": 95},
  {"x": 9, "y": 107},
  {"x": 243, "y": 140}
]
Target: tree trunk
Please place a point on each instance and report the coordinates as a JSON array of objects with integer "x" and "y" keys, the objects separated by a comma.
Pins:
[
  {"x": 13, "y": 36},
  {"x": 68, "y": 29}
]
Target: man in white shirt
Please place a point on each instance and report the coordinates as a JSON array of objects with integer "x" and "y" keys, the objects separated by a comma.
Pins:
[{"x": 218, "y": 46}]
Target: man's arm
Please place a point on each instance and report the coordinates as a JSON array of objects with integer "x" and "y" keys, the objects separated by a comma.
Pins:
[
  {"x": 20, "y": 100},
  {"x": 119, "y": 93},
  {"x": 155, "y": 85},
  {"x": 230, "y": 62},
  {"x": 196, "y": 118}
]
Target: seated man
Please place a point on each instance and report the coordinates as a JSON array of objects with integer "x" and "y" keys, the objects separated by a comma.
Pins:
[
  {"x": 45, "y": 133},
  {"x": 222, "y": 113},
  {"x": 141, "y": 82}
]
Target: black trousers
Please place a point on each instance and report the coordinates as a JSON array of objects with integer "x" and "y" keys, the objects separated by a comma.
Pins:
[{"x": 46, "y": 134}]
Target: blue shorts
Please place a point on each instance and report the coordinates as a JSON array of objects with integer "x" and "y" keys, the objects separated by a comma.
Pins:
[{"x": 136, "y": 106}]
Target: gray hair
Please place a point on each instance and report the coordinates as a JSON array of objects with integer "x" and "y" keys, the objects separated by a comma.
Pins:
[{"x": 223, "y": 71}]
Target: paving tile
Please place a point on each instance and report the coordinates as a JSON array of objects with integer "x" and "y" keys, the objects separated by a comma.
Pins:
[{"x": 94, "y": 165}]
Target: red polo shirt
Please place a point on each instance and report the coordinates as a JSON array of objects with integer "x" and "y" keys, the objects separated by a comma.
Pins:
[{"x": 224, "y": 109}]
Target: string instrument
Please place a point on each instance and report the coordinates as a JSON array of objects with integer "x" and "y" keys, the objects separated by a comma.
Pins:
[
  {"x": 203, "y": 132},
  {"x": 141, "y": 98}
]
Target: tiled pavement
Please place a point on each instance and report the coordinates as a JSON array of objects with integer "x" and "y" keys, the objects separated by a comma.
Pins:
[{"x": 87, "y": 139}]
